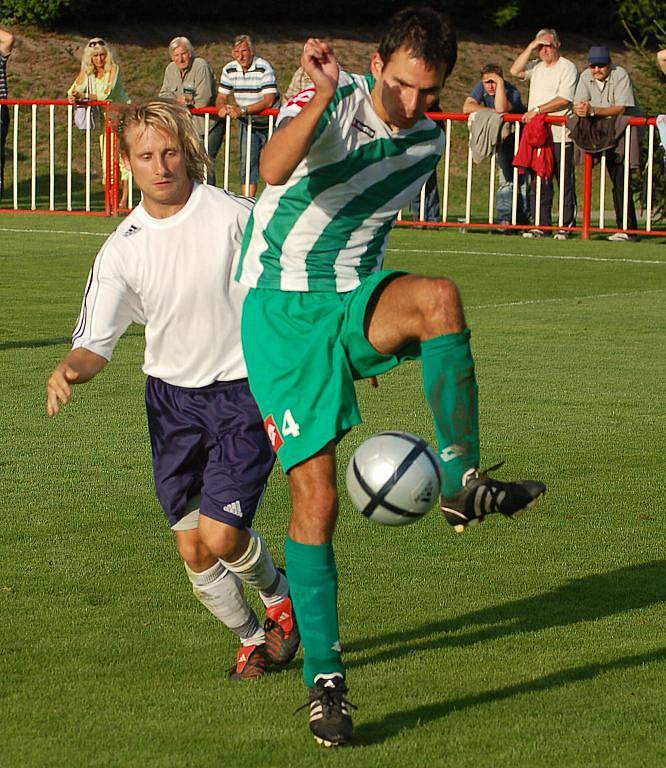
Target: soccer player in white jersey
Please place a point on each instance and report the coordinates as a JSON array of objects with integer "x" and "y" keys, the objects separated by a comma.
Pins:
[
  {"x": 169, "y": 266},
  {"x": 348, "y": 154}
]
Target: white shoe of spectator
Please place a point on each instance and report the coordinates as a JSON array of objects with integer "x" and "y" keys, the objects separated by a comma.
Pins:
[
  {"x": 561, "y": 234},
  {"x": 534, "y": 233},
  {"x": 619, "y": 237}
]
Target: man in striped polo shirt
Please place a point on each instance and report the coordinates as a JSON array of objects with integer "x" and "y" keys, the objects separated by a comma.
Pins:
[
  {"x": 253, "y": 83},
  {"x": 347, "y": 155},
  {"x": 6, "y": 46}
]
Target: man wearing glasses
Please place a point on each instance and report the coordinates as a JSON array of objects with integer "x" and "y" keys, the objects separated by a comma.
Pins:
[
  {"x": 552, "y": 84},
  {"x": 605, "y": 90}
]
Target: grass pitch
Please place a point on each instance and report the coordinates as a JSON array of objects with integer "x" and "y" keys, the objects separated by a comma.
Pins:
[{"x": 531, "y": 643}]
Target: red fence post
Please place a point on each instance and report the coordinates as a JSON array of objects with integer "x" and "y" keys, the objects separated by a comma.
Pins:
[{"x": 587, "y": 196}]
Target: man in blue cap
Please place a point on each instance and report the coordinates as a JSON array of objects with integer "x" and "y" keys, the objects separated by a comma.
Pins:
[{"x": 605, "y": 90}]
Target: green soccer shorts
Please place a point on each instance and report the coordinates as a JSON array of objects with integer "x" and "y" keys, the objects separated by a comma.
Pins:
[{"x": 304, "y": 350}]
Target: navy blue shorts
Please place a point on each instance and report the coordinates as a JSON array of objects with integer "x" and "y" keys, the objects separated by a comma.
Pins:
[{"x": 209, "y": 441}]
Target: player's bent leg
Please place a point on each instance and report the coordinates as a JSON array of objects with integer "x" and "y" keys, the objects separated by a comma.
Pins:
[
  {"x": 313, "y": 580},
  {"x": 221, "y": 592},
  {"x": 429, "y": 311},
  {"x": 244, "y": 552}
]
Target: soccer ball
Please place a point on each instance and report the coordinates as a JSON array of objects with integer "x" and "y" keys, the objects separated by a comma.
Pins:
[{"x": 393, "y": 478}]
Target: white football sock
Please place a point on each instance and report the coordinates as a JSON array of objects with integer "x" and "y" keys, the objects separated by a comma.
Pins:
[
  {"x": 222, "y": 593},
  {"x": 256, "y": 568}
]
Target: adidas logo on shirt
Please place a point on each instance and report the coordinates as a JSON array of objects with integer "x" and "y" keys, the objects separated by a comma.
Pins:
[
  {"x": 233, "y": 508},
  {"x": 132, "y": 231}
]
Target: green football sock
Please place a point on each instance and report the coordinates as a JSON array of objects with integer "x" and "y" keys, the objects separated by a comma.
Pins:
[
  {"x": 313, "y": 586},
  {"x": 451, "y": 391}
]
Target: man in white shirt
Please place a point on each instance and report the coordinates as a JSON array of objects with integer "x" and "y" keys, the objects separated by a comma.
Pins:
[
  {"x": 169, "y": 266},
  {"x": 552, "y": 85}
]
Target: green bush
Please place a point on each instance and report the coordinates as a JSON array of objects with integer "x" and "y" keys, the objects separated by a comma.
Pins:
[{"x": 41, "y": 12}]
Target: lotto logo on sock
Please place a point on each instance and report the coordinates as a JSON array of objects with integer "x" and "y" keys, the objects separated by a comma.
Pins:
[
  {"x": 273, "y": 433},
  {"x": 451, "y": 452}
]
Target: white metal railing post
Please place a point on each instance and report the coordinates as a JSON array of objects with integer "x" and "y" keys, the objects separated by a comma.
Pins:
[
  {"x": 88, "y": 160},
  {"x": 447, "y": 172},
  {"x": 648, "y": 216},
  {"x": 69, "y": 156},
  {"x": 514, "y": 195},
  {"x": 227, "y": 138},
  {"x": 15, "y": 157},
  {"x": 468, "y": 196},
  {"x": 625, "y": 191},
  {"x": 271, "y": 125},
  {"x": 51, "y": 157},
  {"x": 130, "y": 189},
  {"x": 491, "y": 190},
  {"x": 206, "y": 127},
  {"x": 422, "y": 197},
  {"x": 248, "y": 150},
  {"x": 602, "y": 192},
  {"x": 537, "y": 202},
  {"x": 33, "y": 159}
]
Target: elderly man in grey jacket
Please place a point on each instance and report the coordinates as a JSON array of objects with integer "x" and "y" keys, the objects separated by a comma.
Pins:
[{"x": 190, "y": 80}]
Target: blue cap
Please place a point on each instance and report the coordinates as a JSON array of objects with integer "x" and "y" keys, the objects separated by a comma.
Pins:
[{"x": 599, "y": 54}]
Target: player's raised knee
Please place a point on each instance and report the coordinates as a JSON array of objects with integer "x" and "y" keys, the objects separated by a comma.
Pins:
[{"x": 442, "y": 308}]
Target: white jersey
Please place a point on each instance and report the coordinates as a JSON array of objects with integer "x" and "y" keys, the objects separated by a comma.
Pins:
[
  {"x": 327, "y": 227},
  {"x": 175, "y": 276}
]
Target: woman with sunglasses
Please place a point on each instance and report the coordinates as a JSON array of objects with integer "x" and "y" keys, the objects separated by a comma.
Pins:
[{"x": 99, "y": 80}]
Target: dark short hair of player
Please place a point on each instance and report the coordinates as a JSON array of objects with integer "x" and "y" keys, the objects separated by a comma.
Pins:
[
  {"x": 173, "y": 119},
  {"x": 425, "y": 33},
  {"x": 495, "y": 69}
]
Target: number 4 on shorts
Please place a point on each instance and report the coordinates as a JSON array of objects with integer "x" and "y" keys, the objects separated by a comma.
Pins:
[{"x": 289, "y": 425}]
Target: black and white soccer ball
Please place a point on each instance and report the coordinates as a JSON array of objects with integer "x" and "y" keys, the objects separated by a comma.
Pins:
[{"x": 393, "y": 478}]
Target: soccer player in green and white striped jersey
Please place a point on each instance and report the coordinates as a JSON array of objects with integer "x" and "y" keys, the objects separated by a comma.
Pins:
[{"x": 321, "y": 312}]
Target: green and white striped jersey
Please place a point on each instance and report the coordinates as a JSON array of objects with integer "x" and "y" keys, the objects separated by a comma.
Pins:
[{"x": 327, "y": 227}]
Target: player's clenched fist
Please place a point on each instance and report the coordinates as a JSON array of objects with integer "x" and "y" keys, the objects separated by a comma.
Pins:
[{"x": 319, "y": 62}]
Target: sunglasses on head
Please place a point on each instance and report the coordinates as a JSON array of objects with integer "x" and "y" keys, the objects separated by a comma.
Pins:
[{"x": 94, "y": 43}]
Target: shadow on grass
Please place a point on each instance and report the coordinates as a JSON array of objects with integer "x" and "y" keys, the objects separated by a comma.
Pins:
[
  {"x": 54, "y": 342},
  {"x": 387, "y": 728},
  {"x": 580, "y": 600}
]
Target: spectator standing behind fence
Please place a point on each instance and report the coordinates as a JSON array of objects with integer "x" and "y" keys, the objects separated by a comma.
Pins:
[
  {"x": 552, "y": 85},
  {"x": 253, "y": 83},
  {"x": 495, "y": 93},
  {"x": 6, "y": 46},
  {"x": 604, "y": 91},
  {"x": 99, "y": 80},
  {"x": 190, "y": 80}
]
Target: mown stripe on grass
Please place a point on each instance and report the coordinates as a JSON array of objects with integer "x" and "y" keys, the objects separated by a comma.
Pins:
[
  {"x": 557, "y": 257},
  {"x": 559, "y": 299}
]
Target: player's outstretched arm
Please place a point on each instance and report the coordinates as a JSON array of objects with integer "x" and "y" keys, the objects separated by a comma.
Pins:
[
  {"x": 79, "y": 366},
  {"x": 290, "y": 144}
]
